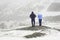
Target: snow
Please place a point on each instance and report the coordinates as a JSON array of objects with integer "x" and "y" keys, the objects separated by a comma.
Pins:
[
  {"x": 53, "y": 25},
  {"x": 51, "y": 34},
  {"x": 19, "y": 35},
  {"x": 11, "y": 18}
]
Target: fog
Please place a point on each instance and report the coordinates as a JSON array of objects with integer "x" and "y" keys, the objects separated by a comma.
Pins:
[{"x": 17, "y": 12}]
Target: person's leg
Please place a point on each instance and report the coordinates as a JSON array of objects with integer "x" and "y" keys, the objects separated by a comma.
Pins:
[
  {"x": 40, "y": 22},
  {"x": 32, "y": 22}
]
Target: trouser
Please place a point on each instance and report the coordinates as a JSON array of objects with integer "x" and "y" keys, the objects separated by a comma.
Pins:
[
  {"x": 40, "y": 22},
  {"x": 33, "y": 22}
]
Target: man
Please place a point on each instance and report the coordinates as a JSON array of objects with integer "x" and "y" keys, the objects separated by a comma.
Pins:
[
  {"x": 40, "y": 19},
  {"x": 32, "y": 16}
]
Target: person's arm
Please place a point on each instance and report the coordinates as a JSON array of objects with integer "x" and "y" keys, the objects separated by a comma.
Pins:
[{"x": 35, "y": 15}]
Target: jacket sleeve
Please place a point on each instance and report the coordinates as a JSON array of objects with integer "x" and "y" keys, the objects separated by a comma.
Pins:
[{"x": 35, "y": 15}]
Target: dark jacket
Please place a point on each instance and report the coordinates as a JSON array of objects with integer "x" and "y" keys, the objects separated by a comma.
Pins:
[{"x": 32, "y": 15}]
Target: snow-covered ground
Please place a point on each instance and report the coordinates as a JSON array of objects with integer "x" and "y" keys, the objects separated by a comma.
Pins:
[
  {"x": 12, "y": 34},
  {"x": 51, "y": 34}
]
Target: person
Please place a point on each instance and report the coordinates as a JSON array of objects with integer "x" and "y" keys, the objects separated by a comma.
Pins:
[
  {"x": 40, "y": 19},
  {"x": 32, "y": 16}
]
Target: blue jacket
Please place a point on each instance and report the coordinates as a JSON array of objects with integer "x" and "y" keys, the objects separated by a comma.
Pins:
[{"x": 39, "y": 16}]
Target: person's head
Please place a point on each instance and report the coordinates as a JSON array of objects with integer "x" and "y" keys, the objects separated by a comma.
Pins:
[
  {"x": 39, "y": 13},
  {"x": 32, "y": 12}
]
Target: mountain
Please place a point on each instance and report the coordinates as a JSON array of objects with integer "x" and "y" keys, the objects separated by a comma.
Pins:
[{"x": 52, "y": 18}]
